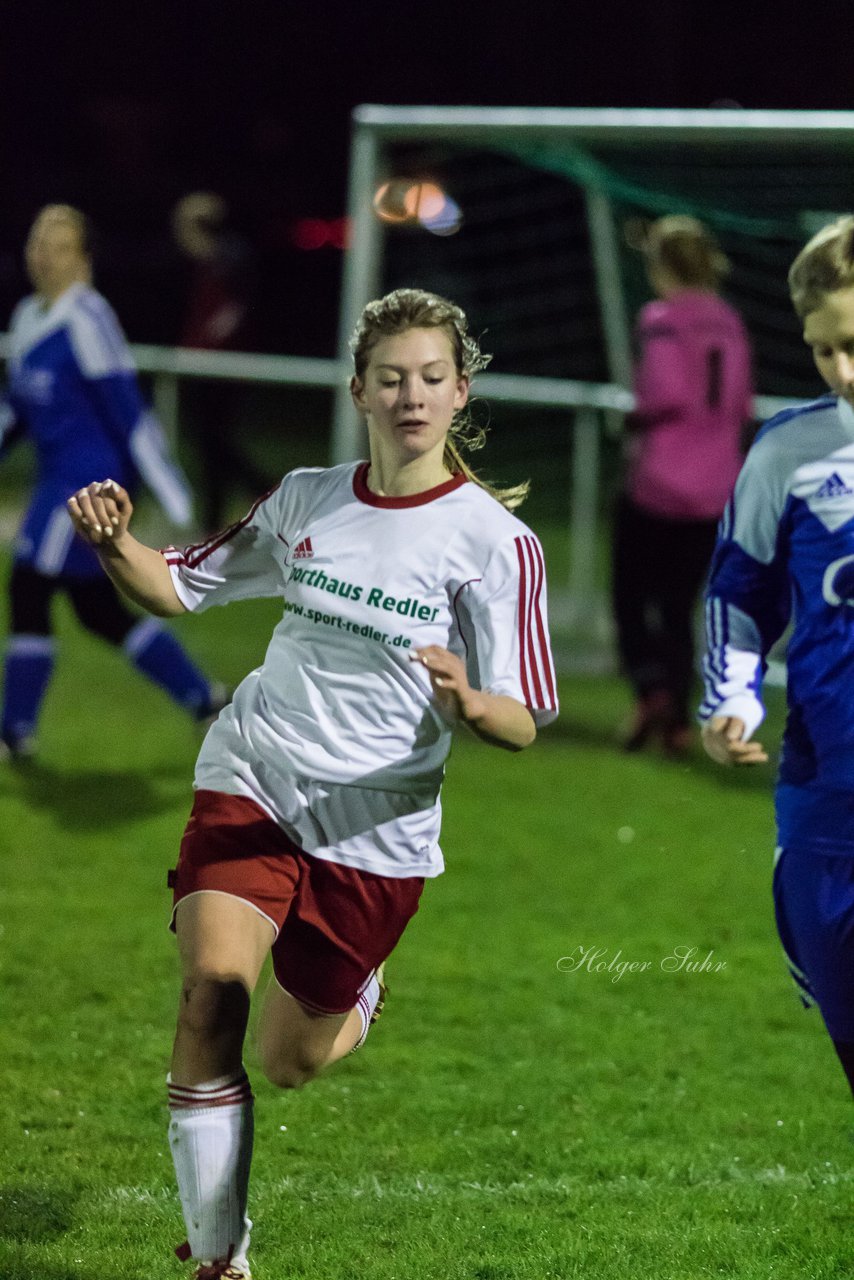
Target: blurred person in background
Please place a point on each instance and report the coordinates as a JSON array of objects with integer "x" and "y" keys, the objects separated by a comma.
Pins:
[
  {"x": 218, "y": 317},
  {"x": 694, "y": 397},
  {"x": 786, "y": 553},
  {"x": 73, "y": 391}
]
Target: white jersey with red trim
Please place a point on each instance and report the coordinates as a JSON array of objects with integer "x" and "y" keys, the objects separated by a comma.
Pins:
[{"x": 338, "y": 701}]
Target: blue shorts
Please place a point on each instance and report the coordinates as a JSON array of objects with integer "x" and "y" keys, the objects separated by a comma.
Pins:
[
  {"x": 814, "y": 905},
  {"x": 46, "y": 540}
]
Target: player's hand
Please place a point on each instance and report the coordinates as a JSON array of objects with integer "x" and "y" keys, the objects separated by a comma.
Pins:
[
  {"x": 724, "y": 742},
  {"x": 453, "y": 694},
  {"x": 101, "y": 512}
]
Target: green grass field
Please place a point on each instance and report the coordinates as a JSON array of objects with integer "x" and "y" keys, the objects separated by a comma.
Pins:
[{"x": 509, "y": 1119}]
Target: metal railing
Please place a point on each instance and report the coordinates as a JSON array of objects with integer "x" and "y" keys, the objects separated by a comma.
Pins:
[{"x": 590, "y": 408}]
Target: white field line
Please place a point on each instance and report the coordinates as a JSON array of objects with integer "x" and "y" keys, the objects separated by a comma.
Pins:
[{"x": 429, "y": 1186}]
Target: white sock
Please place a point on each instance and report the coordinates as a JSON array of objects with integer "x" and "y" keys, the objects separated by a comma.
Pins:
[
  {"x": 366, "y": 1004},
  {"x": 210, "y": 1133}
]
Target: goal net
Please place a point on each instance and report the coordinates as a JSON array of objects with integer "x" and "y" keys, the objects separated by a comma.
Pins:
[{"x": 533, "y": 246}]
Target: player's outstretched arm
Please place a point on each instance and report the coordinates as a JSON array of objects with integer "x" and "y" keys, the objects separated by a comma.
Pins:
[
  {"x": 723, "y": 738},
  {"x": 494, "y": 717},
  {"x": 101, "y": 513}
]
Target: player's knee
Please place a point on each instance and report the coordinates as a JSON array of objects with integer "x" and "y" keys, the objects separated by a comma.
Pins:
[
  {"x": 285, "y": 1075},
  {"x": 212, "y": 1008},
  {"x": 293, "y": 1067}
]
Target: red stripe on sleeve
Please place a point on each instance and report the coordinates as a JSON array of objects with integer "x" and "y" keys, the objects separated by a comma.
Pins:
[
  {"x": 545, "y": 652},
  {"x": 523, "y": 591},
  {"x": 196, "y": 554},
  {"x": 533, "y": 593}
]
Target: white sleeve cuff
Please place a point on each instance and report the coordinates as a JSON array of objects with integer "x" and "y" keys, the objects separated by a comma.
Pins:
[
  {"x": 189, "y": 599},
  {"x": 746, "y": 707}
]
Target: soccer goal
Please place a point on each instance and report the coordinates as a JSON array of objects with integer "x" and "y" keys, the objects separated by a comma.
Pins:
[{"x": 533, "y": 244}]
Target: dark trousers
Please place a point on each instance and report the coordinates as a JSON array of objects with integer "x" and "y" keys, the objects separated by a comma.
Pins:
[
  {"x": 96, "y": 602},
  {"x": 210, "y": 416},
  {"x": 659, "y": 566}
]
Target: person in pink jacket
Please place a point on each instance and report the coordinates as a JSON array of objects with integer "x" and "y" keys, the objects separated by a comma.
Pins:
[{"x": 694, "y": 394}]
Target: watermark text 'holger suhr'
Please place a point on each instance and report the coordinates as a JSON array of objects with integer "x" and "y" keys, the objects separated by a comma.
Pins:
[{"x": 681, "y": 959}]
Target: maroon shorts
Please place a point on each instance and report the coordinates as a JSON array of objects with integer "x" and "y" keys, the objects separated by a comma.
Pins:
[{"x": 334, "y": 924}]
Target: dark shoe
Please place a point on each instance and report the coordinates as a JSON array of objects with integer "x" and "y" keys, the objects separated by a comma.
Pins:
[
  {"x": 677, "y": 740},
  {"x": 18, "y": 750},
  {"x": 652, "y": 716}
]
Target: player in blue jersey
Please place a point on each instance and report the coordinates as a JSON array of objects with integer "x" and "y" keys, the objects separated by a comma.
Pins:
[
  {"x": 73, "y": 391},
  {"x": 786, "y": 553}
]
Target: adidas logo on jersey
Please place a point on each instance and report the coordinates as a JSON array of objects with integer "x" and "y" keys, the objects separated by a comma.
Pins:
[
  {"x": 305, "y": 551},
  {"x": 834, "y": 487}
]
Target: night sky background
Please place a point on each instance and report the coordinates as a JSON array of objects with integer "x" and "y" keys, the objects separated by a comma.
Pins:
[{"x": 122, "y": 109}]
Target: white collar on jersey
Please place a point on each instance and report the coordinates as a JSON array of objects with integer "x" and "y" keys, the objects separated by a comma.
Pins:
[{"x": 35, "y": 321}]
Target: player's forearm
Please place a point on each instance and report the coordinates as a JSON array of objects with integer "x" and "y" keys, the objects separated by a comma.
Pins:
[
  {"x": 499, "y": 720},
  {"x": 732, "y": 676},
  {"x": 162, "y": 474},
  {"x": 142, "y": 574}
]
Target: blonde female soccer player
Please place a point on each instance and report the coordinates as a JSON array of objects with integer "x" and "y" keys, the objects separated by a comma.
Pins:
[
  {"x": 413, "y": 600},
  {"x": 786, "y": 549}
]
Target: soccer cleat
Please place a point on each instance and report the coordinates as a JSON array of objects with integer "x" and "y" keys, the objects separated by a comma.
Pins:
[
  {"x": 364, "y": 1004},
  {"x": 221, "y": 1271},
  {"x": 383, "y": 996}
]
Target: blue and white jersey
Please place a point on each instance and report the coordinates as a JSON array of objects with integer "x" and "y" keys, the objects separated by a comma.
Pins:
[
  {"x": 73, "y": 388},
  {"x": 786, "y": 552}
]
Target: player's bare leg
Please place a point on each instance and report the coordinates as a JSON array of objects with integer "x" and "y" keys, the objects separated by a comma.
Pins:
[
  {"x": 223, "y": 943},
  {"x": 295, "y": 1043}
]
